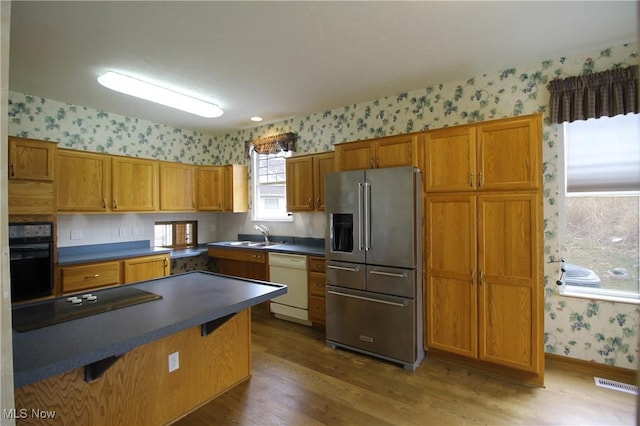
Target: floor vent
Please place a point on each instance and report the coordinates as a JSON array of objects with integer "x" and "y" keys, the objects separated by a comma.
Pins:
[{"x": 619, "y": 386}]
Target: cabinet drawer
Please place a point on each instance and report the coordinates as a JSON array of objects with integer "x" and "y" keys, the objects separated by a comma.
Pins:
[
  {"x": 82, "y": 277},
  {"x": 317, "y": 312},
  {"x": 316, "y": 264},
  {"x": 238, "y": 254},
  {"x": 316, "y": 284}
]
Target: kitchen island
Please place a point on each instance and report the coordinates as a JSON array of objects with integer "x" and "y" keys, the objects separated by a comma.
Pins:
[{"x": 114, "y": 367}]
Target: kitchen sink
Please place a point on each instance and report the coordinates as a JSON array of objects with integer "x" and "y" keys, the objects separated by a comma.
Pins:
[{"x": 252, "y": 243}]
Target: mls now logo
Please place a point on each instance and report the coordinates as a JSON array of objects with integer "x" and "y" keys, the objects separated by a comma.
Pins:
[{"x": 23, "y": 413}]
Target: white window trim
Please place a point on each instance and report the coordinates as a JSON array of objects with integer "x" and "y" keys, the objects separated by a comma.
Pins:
[
  {"x": 574, "y": 291},
  {"x": 254, "y": 178}
]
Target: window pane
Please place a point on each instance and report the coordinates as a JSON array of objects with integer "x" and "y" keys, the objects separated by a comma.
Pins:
[
  {"x": 602, "y": 236},
  {"x": 603, "y": 154},
  {"x": 270, "y": 192}
]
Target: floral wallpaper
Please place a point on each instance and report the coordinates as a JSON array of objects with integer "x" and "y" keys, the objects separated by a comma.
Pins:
[{"x": 604, "y": 332}]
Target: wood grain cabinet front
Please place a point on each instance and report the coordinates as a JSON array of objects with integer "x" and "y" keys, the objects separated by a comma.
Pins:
[
  {"x": 177, "y": 187},
  {"x": 243, "y": 263},
  {"x": 134, "y": 184},
  {"x": 305, "y": 181},
  {"x": 317, "y": 285},
  {"x": 146, "y": 268},
  {"x": 83, "y": 181},
  {"x": 90, "y": 276},
  {"x": 391, "y": 151}
]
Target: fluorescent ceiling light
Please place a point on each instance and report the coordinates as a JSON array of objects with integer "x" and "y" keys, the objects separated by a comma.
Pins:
[
  {"x": 256, "y": 118},
  {"x": 151, "y": 92}
]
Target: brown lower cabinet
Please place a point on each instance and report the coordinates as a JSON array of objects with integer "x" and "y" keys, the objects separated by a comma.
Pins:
[
  {"x": 243, "y": 263},
  {"x": 94, "y": 275},
  {"x": 317, "y": 282}
]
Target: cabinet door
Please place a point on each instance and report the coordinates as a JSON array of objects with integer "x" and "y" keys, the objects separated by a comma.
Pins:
[
  {"x": 355, "y": 156},
  {"x": 210, "y": 188},
  {"x": 135, "y": 184},
  {"x": 177, "y": 187},
  {"x": 236, "y": 193},
  {"x": 82, "y": 181},
  {"x": 450, "y": 159},
  {"x": 396, "y": 151},
  {"x": 451, "y": 295},
  {"x": 146, "y": 268},
  {"x": 31, "y": 159},
  {"x": 322, "y": 164},
  {"x": 509, "y": 154},
  {"x": 510, "y": 280},
  {"x": 89, "y": 276},
  {"x": 300, "y": 184}
]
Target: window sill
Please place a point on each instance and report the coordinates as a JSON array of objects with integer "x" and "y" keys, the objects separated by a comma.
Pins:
[{"x": 601, "y": 297}]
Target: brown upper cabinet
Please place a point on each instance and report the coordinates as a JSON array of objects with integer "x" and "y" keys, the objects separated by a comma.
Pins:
[
  {"x": 496, "y": 155},
  {"x": 305, "y": 181},
  {"x": 31, "y": 159},
  {"x": 31, "y": 173},
  {"x": 83, "y": 181},
  {"x": 177, "y": 187},
  {"x": 223, "y": 188},
  {"x": 134, "y": 184},
  {"x": 391, "y": 151}
]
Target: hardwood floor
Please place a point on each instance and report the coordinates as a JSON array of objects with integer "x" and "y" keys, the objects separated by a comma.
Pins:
[{"x": 298, "y": 380}]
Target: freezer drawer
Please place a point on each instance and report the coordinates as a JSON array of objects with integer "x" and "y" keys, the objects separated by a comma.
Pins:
[
  {"x": 376, "y": 324},
  {"x": 395, "y": 281},
  {"x": 345, "y": 274}
]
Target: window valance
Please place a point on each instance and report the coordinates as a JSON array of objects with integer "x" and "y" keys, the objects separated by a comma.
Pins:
[
  {"x": 271, "y": 144},
  {"x": 603, "y": 94}
]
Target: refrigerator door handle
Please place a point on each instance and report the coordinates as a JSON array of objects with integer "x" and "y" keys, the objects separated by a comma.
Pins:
[
  {"x": 367, "y": 216},
  {"x": 360, "y": 190},
  {"x": 368, "y": 299}
]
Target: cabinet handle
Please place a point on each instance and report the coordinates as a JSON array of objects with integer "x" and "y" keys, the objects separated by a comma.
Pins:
[
  {"x": 166, "y": 262},
  {"x": 310, "y": 202},
  {"x": 13, "y": 170},
  {"x": 88, "y": 277},
  {"x": 473, "y": 277},
  {"x": 318, "y": 202},
  {"x": 481, "y": 277},
  {"x": 193, "y": 204},
  {"x": 104, "y": 203},
  {"x": 371, "y": 163},
  {"x": 471, "y": 179},
  {"x": 480, "y": 180},
  {"x": 378, "y": 162},
  {"x": 115, "y": 204}
]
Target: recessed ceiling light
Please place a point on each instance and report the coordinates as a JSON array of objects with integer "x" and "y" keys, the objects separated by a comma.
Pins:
[
  {"x": 256, "y": 118},
  {"x": 151, "y": 92}
]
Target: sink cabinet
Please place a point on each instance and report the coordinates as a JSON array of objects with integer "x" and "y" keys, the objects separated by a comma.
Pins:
[{"x": 244, "y": 263}]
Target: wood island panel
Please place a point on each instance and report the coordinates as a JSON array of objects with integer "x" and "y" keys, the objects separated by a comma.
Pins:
[{"x": 138, "y": 388}]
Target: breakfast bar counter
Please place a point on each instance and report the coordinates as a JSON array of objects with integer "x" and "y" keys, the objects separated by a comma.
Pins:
[{"x": 148, "y": 363}]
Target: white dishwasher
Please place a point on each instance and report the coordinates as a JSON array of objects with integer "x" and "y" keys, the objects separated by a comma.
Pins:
[{"x": 291, "y": 270}]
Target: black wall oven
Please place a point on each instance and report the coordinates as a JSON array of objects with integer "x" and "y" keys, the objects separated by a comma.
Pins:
[{"x": 31, "y": 254}]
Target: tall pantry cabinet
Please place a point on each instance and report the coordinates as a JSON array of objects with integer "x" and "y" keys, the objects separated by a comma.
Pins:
[{"x": 483, "y": 239}]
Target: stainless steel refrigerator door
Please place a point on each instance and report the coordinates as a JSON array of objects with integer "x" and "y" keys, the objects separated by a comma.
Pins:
[
  {"x": 344, "y": 209},
  {"x": 392, "y": 203},
  {"x": 394, "y": 281},
  {"x": 377, "y": 324}
]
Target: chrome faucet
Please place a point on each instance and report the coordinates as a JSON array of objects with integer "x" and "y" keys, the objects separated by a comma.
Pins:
[{"x": 264, "y": 230}]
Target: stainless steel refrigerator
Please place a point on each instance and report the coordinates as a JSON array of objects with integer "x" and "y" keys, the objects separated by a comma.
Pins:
[{"x": 373, "y": 250}]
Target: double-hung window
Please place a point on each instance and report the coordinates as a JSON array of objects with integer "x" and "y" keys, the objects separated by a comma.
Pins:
[
  {"x": 599, "y": 216},
  {"x": 269, "y": 186}
]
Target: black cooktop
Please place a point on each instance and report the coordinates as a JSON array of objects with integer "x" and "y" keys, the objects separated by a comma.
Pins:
[{"x": 55, "y": 311}]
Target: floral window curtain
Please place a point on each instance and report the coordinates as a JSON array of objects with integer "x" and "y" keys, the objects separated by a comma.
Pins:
[
  {"x": 271, "y": 144},
  {"x": 603, "y": 94}
]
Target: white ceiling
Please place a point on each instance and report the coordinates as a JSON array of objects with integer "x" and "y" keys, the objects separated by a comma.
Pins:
[{"x": 285, "y": 59}]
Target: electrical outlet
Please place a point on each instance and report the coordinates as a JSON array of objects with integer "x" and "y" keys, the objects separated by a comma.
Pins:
[
  {"x": 136, "y": 230},
  {"x": 174, "y": 361},
  {"x": 76, "y": 234},
  {"x": 122, "y": 232}
]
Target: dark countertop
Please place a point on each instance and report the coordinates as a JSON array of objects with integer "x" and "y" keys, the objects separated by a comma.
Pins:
[
  {"x": 189, "y": 300},
  {"x": 293, "y": 245},
  {"x": 101, "y": 252}
]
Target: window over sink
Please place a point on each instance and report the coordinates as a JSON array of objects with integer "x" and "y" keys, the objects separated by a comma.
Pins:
[{"x": 269, "y": 186}]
